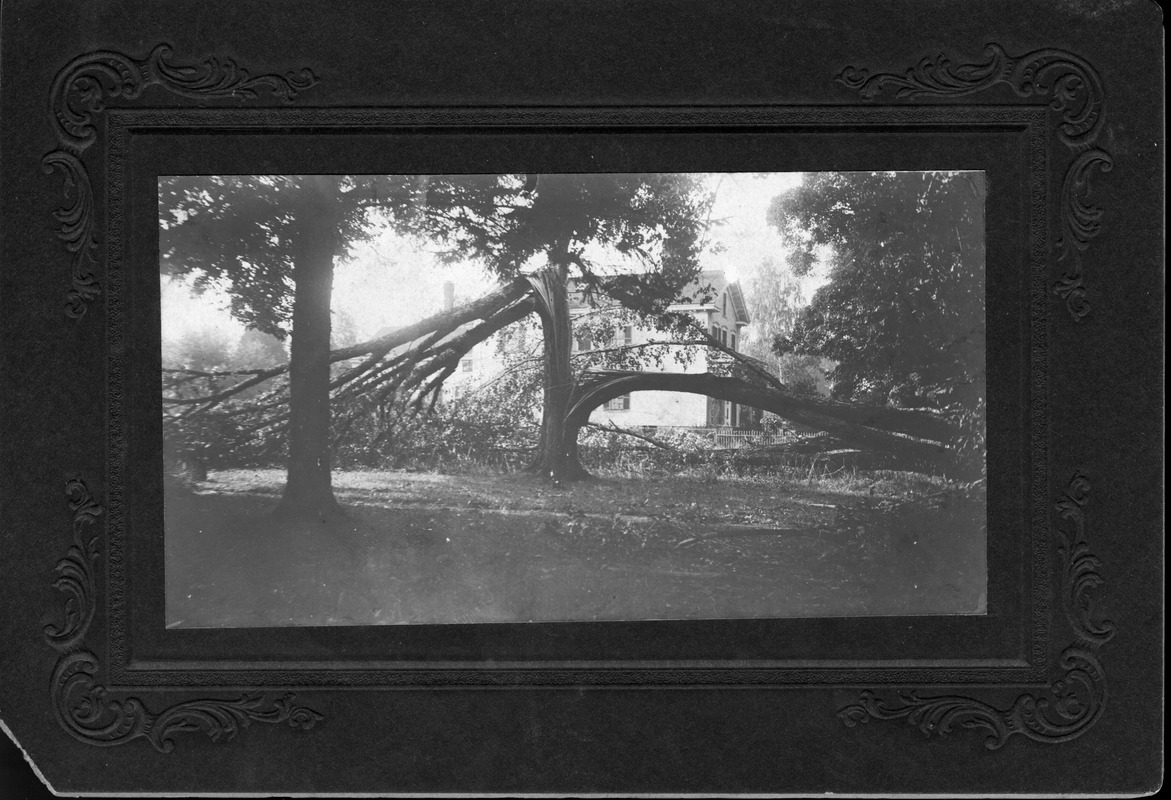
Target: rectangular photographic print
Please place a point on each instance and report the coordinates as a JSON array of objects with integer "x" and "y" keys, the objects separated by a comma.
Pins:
[{"x": 507, "y": 398}]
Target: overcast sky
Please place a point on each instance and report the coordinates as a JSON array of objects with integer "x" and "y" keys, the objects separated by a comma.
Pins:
[{"x": 388, "y": 283}]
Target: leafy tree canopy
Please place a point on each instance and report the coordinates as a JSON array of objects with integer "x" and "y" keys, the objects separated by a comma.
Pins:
[
  {"x": 774, "y": 299},
  {"x": 903, "y": 311},
  {"x": 241, "y": 232},
  {"x": 634, "y": 237}
]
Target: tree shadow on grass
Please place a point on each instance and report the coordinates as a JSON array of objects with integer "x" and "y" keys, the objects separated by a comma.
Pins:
[{"x": 447, "y": 555}]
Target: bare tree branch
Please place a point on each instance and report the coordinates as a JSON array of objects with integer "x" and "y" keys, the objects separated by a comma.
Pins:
[{"x": 612, "y": 428}]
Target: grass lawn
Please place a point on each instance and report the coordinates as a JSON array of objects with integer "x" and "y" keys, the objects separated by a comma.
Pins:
[{"x": 431, "y": 548}]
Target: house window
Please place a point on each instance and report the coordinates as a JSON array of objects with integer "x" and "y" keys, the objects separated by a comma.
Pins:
[
  {"x": 585, "y": 341},
  {"x": 466, "y": 365},
  {"x": 623, "y": 337},
  {"x": 621, "y": 403},
  {"x": 715, "y": 411},
  {"x": 732, "y": 341}
]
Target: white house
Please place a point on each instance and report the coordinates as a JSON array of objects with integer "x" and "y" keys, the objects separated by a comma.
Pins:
[{"x": 721, "y": 310}]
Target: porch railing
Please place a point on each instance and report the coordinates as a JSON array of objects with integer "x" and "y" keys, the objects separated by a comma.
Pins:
[{"x": 729, "y": 437}]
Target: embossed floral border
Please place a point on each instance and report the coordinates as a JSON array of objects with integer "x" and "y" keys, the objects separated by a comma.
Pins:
[
  {"x": 82, "y": 705},
  {"x": 1074, "y": 90},
  {"x": 78, "y": 95},
  {"x": 1078, "y": 694}
]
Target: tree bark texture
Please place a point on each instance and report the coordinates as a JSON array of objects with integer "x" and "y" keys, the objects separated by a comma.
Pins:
[
  {"x": 309, "y": 488},
  {"x": 557, "y": 453}
]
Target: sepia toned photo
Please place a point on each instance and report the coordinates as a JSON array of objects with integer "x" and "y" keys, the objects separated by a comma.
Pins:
[{"x": 432, "y": 399}]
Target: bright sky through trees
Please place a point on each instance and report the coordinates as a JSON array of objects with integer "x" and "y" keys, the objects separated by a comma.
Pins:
[{"x": 390, "y": 282}]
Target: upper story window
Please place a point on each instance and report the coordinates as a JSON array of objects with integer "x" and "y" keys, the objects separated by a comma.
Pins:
[
  {"x": 622, "y": 336},
  {"x": 465, "y": 365}
]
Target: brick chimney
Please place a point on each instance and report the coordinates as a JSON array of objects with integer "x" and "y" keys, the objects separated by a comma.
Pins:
[{"x": 448, "y": 295}]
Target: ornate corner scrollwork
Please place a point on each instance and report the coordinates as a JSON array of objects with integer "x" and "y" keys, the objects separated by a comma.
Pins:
[
  {"x": 1077, "y": 701},
  {"x": 1078, "y": 695},
  {"x": 75, "y": 572},
  {"x": 1073, "y": 85},
  {"x": 1075, "y": 92},
  {"x": 1080, "y": 222},
  {"x": 83, "y": 706},
  {"x": 78, "y": 94},
  {"x": 1079, "y": 573}
]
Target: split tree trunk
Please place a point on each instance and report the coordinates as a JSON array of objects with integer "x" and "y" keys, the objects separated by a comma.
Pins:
[{"x": 556, "y": 452}]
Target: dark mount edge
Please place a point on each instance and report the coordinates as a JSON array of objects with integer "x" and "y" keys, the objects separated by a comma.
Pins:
[
  {"x": 78, "y": 94},
  {"x": 1075, "y": 92},
  {"x": 1079, "y": 691},
  {"x": 81, "y": 704}
]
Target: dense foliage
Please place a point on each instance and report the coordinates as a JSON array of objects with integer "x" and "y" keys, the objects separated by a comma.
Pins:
[
  {"x": 634, "y": 237},
  {"x": 492, "y": 423},
  {"x": 242, "y": 233},
  {"x": 902, "y": 313},
  {"x": 774, "y": 299},
  {"x": 201, "y": 363},
  {"x": 270, "y": 243}
]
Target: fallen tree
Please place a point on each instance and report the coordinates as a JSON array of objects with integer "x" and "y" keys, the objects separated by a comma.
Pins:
[
  {"x": 409, "y": 367},
  {"x": 435, "y": 328},
  {"x": 913, "y": 434}
]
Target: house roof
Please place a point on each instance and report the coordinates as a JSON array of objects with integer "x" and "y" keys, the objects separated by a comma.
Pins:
[
  {"x": 718, "y": 280},
  {"x": 714, "y": 278},
  {"x": 737, "y": 296}
]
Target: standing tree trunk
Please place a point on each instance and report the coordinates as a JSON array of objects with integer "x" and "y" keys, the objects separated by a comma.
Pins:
[
  {"x": 556, "y": 455},
  {"x": 309, "y": 488}
]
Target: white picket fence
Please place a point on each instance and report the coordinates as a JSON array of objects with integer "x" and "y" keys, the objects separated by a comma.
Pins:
[{"x": 737, "y": 438}]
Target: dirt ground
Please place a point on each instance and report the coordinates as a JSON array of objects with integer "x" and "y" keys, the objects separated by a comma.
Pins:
[{"x": 429, "y": 548}]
